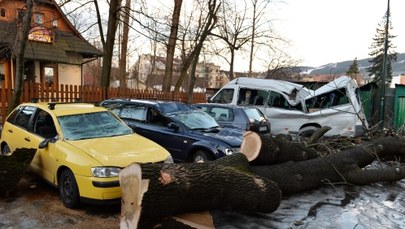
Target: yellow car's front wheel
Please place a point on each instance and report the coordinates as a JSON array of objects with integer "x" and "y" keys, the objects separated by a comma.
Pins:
[{"x": 68, "y": 190}]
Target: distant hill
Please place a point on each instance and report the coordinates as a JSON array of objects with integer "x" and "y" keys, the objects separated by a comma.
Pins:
[{"x": 341, "y": 67}]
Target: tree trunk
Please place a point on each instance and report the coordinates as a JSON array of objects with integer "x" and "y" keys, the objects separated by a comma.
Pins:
[
  {"x": 22, "y": 42},
  {"x": 232, "y": 182},
  {"x": 13, "y": 167},
  {"x": 171, "y": 46},
  {"x": 108, "y": 48},
  {"x": 192, "y": 187},
  {"x": 122, "y": 68}
]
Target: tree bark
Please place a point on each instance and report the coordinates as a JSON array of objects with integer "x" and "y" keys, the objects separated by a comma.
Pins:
[
  {"x": 113, "y": 16},
  {"x": 232, "y": 182},
  {"x": 171, "y": 46},
  {"x": 346, "y": 166},
  {"x": 22, "y": 38},
  {"x": 13, "y": 167},
  {"x": 122, "y": 68},
  {"x": 193, "y": 187}
]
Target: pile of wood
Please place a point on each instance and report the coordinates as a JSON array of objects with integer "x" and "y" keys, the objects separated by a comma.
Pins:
[{"x": 158, "y": 195}]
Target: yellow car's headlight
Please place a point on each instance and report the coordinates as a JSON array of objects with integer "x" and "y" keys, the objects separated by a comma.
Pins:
[
  {"x": 105, "y": 171},
  {"x": 169, "y": 159}
]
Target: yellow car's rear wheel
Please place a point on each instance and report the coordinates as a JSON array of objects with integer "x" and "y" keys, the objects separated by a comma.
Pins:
[
  {"x": 5, "y": 150},
  {"x": 68, "y": 190}
]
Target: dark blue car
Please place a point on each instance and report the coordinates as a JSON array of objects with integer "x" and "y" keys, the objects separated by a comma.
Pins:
[{"x": 188, "y": 134}]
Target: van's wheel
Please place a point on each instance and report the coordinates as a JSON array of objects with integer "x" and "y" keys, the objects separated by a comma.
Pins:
[
  {"x": 5, "y": 150},
  {"x": 306, "y": 133},
  {"x": 201, "y": 156},
  {"x": 68, "y": 190}
]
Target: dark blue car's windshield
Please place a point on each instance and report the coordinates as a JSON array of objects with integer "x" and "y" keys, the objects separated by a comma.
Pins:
[
  {"x": 196, "y": 120},
  {"x": 92, "y": 125}
]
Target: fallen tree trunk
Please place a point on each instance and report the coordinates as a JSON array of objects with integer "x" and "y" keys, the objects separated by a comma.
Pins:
[
  {"x": 192, "y": 187},
  {"x": 232, "y": 183},
  {"x": 13, "y": 167},
  {"x": 346, "y": 166}
]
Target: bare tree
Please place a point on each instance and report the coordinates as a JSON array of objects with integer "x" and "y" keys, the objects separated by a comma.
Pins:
[
  {"x": 171, "y": 45},
  {"x": 258, "y": 8},
  {"x": 21, "y": 41},
  {"x": 233, "y": 30},
  {"x": 108, "y": 47},
  {"x": 203, "y": 27},
  {"x": 124, "y": 45}
]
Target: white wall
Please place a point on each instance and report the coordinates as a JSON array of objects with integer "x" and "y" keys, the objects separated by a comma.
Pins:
[{"x": 70, "y": 74}]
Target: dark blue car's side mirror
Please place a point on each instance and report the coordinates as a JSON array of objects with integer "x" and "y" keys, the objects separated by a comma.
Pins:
[{"x": 173, "y": 126}]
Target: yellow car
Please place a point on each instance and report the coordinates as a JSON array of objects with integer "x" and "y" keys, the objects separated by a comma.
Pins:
[{"x": 81, "y": 148}]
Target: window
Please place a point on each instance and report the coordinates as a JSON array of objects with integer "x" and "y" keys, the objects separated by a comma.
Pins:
[
  {"x": 222, "y": 114},
  {"x": 334, "y": 98},
  {"x": 39, "y": 19},
  {"x": 24, "y": 116},
  {"x": 133, "y": 112},
  {"x": 49, "y": 75},
  {"x": 44, "y": 125},
  {"x": 2, "y": 12},
  {"x": 55, "y": 23},
  {"x": 252, "y": 96},
  {"x": 225, "y": 96}
]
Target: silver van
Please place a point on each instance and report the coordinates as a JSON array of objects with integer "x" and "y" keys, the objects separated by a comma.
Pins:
[{"x": 297, "y": 110}]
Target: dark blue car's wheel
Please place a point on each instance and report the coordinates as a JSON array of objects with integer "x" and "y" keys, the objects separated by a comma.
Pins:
[
  {"x": 201, "y": 156},
  {"x": 68, "y": 190}
]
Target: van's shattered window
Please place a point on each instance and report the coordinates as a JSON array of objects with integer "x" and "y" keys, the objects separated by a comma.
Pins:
[{"x": 327, "y": 100}]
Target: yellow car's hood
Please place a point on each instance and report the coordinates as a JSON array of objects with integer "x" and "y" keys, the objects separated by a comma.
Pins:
[{"x": 122, "y": 150}]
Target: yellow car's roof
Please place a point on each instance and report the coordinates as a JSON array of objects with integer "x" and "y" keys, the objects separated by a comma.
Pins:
[{"x": 62, "y": 109}]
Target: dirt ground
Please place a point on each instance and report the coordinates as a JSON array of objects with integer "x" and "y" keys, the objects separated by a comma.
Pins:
[{"x": 36, "y": 204}]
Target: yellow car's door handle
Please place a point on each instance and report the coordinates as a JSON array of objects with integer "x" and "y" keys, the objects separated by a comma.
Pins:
[{"x": 27, "y": 139}]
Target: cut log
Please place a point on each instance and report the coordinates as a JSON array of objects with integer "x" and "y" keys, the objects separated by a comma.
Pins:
[
  {"x": 193, "y": 187},
  {"x": 274, "y": 150},
  {"x": 13, "y": 167},
  {"x": 132, "y": 188}
]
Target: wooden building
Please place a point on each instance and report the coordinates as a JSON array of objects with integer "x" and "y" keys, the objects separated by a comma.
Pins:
[{"x": 55, "y": 51}]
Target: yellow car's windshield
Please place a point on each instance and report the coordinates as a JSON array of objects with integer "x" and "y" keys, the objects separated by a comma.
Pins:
[{"x": 92, "y": 125}]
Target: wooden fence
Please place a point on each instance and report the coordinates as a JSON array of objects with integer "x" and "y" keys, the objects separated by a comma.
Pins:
[{"x": 72, "y": 93}]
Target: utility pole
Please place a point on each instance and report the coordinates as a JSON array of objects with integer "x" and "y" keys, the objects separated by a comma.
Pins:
[{"x": 384, "y": 70}]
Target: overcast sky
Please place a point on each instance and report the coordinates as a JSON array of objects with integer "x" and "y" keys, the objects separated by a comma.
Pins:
[{"x": 328, "y": 31}]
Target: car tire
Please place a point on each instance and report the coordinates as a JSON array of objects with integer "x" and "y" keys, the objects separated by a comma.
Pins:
[
  {"x": 306, "y": 133},
  {"x": 201, "y": 156},
  {"x": 5, "y": 150},
  {"x": 68, "y": 190}
]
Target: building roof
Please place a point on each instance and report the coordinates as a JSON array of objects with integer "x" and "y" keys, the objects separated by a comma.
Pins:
[{"x": 64, "y": 47}]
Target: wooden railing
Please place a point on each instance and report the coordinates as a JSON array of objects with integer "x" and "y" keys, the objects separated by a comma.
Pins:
[{"x": 73, "y": 93}]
